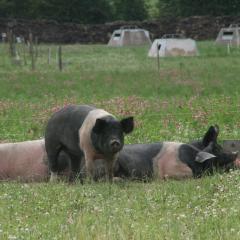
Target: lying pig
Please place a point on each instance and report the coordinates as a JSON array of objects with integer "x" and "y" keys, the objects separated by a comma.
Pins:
[
  {"x": 27, "y": 161},
  {"x": 174, "y": 160},
  {"x": 85, "y": 131}
]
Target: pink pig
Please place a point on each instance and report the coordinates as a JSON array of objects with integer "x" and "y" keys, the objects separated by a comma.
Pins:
[{"x": 24, "y": 161}]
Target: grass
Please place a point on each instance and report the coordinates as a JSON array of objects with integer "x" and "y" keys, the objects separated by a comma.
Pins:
[{"x": 180, "y": 103}]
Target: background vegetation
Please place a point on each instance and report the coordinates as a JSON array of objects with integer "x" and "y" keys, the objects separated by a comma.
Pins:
[
  {"x": 179, "y": 103},
  {"x": 100, "y": 11},
  {"x": 186, "y": 8}
]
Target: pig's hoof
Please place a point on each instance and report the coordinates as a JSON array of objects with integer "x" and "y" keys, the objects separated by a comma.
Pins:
[
  {"x": 54, "y": 177},
  {"x": 117, "y": 179}
]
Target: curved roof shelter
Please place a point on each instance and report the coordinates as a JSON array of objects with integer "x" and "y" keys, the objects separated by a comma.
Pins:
[
  {"x": 129, "y": 36},
  {"x": 229, "y": 35},
  {"x": 171, "y": 45}
]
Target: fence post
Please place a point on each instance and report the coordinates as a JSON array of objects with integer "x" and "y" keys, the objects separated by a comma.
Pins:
[
  {"x": 36, "y": 47},
  {"x": 49, "y": 56},
  {"x": 60, "y": 58},
  {"x": 31, "y": 50},
  {"x": 12, "y": 46},
  {"x": 228, "y": 48},
  {"x": 24, "y": 52},
  {"x": 158, "y": 57}
]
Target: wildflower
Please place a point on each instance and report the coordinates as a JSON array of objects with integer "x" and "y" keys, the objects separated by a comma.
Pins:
[{"x": 12, "y": 237}]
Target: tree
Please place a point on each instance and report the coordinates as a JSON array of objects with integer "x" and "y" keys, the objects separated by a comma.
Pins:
[
  {"x": 185, "y": 8},
  {"x": 130, "y": 10},
  {"x": 19, "y": 9},
  {"x": 82, "y": 11}
]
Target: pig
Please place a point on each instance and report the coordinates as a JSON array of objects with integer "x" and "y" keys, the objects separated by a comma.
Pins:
[
  {"x": 209, "y": 143},
  {"x": 174, "y": 160},
  {"x": 27, "y": 161},
  {"x": 85, "y": 131},
  {"x": 24, "y": 161}
]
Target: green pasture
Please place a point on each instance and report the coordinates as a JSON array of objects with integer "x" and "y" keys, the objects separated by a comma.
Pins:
[{"x": 177, "y": 103}]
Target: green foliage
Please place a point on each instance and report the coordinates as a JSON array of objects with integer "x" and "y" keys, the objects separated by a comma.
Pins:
[
  {"x": 198, "y": 209},
  {"x": 15, "y": 8},
  {"x": 189, "y": 94},
  {"x": 101, "y": 11},
  {"x": 152, "y": 8},
  {"x": 185, "y": 8},
  {"x": 130, "y": 10},
  {"x": 83, "y": 11}
]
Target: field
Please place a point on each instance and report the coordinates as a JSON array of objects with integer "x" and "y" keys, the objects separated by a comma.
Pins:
[{"x": 178, "y": 103}]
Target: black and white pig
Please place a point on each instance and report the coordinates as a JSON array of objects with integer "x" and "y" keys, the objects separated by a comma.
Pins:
[
  {"x": 85, "y": 131},
  {"x": 174, "y": 160}
]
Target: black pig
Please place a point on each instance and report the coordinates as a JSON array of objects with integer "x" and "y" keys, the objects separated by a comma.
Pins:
[{"x": 85, "y": 131}]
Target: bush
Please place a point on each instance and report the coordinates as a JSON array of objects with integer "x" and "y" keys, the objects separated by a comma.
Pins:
[
  {"x": 130, "y": 10},
  {"x": 186, "y": 8}
]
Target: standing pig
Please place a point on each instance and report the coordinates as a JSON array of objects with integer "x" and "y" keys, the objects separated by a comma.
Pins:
[
  {"x": 174, "y": 160},
  {"x": 85, "y": 131},
  {"x": 27, "y": 161}
]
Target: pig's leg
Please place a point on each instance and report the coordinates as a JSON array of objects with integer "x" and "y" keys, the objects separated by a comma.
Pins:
[
  {"x": 109, "y": 163},
  {"x": 63, "y": 161},
  {"x": 75, "y": 167},
  {"x": 52, "y": 154},
  {"x": 90, "y": 166}
]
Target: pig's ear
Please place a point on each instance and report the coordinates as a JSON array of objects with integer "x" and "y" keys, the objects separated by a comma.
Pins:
[
  {"x": 209, "y": 148},
  {"x": 127, "y": 124},
  {"x": 211, "y": 135},
  {"x": 99, "y": 125},
  {"x": 203, "y": 156}
]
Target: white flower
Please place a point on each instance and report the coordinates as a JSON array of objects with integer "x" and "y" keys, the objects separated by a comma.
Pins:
[{"x": 11, "y": 237}]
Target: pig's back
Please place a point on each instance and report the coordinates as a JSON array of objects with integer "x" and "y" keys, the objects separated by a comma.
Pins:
[
  {"x": 136, "y": 160},
  {"x": 23, "y": 160}
]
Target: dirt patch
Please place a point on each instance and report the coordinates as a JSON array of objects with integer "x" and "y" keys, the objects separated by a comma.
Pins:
[{"x": 125, "y": 106}]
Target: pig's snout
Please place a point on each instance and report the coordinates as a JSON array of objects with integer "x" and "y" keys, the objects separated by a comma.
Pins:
[
  {"x": 237, "y": 163},
  {"x": 115, "y": 145},
  {"x": 235, "y": 156}
]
